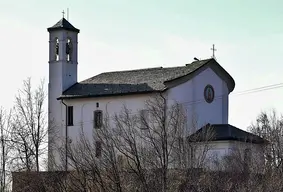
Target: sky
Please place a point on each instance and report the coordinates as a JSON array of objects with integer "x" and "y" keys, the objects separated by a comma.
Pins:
[{"x": 131, "y": 34}]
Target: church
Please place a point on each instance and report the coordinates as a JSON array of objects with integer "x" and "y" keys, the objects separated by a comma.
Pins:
[{"x": 201, "y": 87}]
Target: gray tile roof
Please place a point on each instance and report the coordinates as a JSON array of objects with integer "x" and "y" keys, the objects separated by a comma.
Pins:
[
  {"x": 223, "y": 132},
  {"x": 138, "y": 81},
  {"x": 132, "y": 81},
  {"x": 63, "y": 24}
]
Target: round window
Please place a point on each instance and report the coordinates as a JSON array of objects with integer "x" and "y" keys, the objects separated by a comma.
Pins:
[{"x": 208, "y": 93}]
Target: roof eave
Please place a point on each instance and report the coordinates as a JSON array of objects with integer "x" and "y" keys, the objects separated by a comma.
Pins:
[
  {"x": 230, "y": 81},
  {"x": 50, "y": 29},
  {"x": 216, "y": 67},
  {"x": 231, "y": 139},
  {"x": 63, "y": 24},
  {"x": 106, "y": 95},
  {"x": 248, "y": 138}
]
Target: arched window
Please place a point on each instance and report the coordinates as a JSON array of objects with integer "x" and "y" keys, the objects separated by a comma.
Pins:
[
  {"x": 69, "y": 49},
  {"x": 56, "y": 49},
  {"x": 98, "y": 119}
]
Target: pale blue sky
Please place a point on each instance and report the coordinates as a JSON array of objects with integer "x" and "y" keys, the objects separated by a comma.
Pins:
[{"x": 128, "y": 34}]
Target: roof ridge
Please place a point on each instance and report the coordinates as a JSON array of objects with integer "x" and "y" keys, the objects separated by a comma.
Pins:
[
  {"x": 161, "y": 67},
  {"x": 201, "y": 62},
  {"x": 129, "y": 70}
]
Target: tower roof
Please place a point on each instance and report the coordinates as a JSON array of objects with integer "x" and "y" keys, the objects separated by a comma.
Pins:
[{"x": 63, "y": 24}]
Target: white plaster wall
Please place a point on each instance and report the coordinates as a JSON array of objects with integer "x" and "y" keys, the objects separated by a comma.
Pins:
[
  {"x": 210, "y": 154},
  {"x": 84, "y": 108},
  {"x": 217, "y": 150},
  {"x": 191, "y": 95},
  {"x": 83, "y": 122}
]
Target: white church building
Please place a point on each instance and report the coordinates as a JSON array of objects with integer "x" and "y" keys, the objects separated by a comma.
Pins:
[{"x": 203, "y": 86}]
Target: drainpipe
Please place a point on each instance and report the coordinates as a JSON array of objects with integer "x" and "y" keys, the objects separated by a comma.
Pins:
[
  {"x": 82, "y": 115},
  {"x": 66, "y": 130},
  {"x": 165, "y": 147}
]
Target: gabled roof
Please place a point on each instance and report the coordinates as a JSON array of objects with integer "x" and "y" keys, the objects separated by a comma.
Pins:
[
  {"x": 142, "y": 80},
  {"x": 225, "y": 132},
  {"x": 63, "y": 24}
]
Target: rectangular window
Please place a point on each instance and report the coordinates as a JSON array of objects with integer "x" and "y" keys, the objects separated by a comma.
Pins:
[
  {"x": 98, "y": 149},
  {"x": 70, "y": 116},
  {"x": 98, "y": 119}
]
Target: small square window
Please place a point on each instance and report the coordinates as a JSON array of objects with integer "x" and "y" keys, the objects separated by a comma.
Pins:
[
  {"x": 70, "y": 116},
  {"x": 98, "y": 119}
]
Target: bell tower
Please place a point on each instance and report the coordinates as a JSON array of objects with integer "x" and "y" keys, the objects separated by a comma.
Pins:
[
  {"x": 63, "y": 54},
  {"x": 63, "y": 64}
]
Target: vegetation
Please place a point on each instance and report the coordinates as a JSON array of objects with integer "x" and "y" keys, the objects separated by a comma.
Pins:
[{"x": 23, "y": 134}]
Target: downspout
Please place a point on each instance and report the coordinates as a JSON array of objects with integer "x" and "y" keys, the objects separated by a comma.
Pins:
[
  {"x": 82, "y": 114},
  {"x": 66, "y": 131},
  {"x": 165, "y": 143}
]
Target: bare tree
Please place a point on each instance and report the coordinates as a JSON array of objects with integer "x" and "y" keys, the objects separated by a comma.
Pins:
[
  {"x": 5, "y": 151},
  {"x": 270, "y": 127},
  {"x": 154, "y": 144},
  {"x": 149, "y": 140},
  {"x": 29, "y": 132},
  {"x": 93, "y": 168},
  {"x": 198, "y": 146},
  {"x": 142, "y": 151},
  {"x": 135, "y": 148},
  {"x": 243, "y": 168}
]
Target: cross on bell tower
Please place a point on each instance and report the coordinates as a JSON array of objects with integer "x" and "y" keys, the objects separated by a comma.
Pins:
[
  {"x": 63, "y": 12},
  {"x": 213, "y": 51}
]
